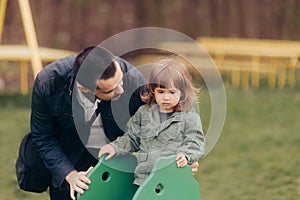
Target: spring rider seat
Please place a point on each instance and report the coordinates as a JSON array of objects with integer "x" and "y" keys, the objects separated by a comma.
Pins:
[{"x": 113, "y": 180}]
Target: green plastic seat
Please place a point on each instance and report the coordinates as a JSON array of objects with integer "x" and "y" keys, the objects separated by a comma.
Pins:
[
  {"x": 168, "y": 182},
  {"x": 113, "y": 180}
]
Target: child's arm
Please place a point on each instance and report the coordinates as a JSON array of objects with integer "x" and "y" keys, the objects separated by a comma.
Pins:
[
  {"x": 107, "y": 149},
  {"x": 181, "y": 160},
  {"x": 130, "y": 141},
  {"x": 194, "y": 142}
]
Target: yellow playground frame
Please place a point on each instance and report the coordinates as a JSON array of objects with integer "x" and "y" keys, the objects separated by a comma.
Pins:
[{"x": 31, "y": 52}]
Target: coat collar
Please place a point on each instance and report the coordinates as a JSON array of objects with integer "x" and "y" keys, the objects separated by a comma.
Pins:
[{"x": 176, "y": 116}]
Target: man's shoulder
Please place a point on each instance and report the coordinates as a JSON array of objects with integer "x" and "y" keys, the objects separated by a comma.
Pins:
[
  {"x": 55, "y": 74},
  {"x": 129, "y": 70},
  {"x": 57, "y": 68}
]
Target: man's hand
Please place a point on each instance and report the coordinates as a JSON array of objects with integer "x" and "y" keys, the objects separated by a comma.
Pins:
[
  {"x": 78, "y": 181},
  {"x": 107, "y": 149},
  {"x": 194, "y": 167}
]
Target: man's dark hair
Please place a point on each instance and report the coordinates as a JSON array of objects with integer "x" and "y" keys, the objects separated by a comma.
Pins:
[{"x": 92, "y": 64}]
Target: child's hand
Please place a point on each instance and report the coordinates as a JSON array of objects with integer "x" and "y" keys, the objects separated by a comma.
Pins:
[
  {"x": 181, "y": 160},
  {"x": 107, "y": 149}
]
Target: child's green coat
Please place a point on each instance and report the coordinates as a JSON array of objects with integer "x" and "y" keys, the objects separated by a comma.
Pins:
[{"x": 180, "y": 133}]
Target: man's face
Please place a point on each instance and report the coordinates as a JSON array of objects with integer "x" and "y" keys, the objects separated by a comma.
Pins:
[{"x": 112, "y": 88}]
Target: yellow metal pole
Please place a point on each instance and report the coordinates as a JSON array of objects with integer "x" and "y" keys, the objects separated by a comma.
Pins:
[
  {"x": 3, "y": 4},
  {"x": 24, "y": 77},
  {"x": 30, "y": 36}
]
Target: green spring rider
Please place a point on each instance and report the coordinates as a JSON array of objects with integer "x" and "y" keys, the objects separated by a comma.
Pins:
[{"x": 113, "y": 180}]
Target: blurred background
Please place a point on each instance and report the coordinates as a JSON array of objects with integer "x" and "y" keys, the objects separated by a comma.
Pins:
[
  {"x": 255, "y": 45},
  {"x": 75, "y": 24}
]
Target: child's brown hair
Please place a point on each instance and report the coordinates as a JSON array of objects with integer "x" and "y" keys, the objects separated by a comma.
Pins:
[{"x": 169, "y": 73}]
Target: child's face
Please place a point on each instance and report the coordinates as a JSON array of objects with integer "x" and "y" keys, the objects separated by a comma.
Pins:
[{"x": 167, "y": 98}]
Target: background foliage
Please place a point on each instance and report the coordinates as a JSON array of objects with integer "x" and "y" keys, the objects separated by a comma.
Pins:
[{"x": 75, "y": 24}]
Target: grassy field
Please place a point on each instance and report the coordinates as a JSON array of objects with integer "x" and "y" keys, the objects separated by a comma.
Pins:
[
  {"x": 256, "y": 157},
  {"x": 14, "y": 115}
]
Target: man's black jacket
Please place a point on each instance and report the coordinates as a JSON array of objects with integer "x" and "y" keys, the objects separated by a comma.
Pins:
[{"x": 58, "y": 140}]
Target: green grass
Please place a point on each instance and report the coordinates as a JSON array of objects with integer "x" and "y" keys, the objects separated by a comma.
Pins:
[
  {"x": 14, "y": 115},
  {"x": 256, "y": 157}
]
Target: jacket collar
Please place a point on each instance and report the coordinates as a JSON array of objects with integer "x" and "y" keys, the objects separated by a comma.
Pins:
[{"x": 176, "y": 116}]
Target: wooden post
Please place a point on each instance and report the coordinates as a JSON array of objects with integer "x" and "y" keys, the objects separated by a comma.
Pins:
[
  {"x": 3, "y": 4},
  {"x": 282, "y": 74},
  {"x": 245, "y": 79},
  {"x": 235, "y": 76},
  {"x": 272, "y": 73},
  {"x": 255, "y": 72},
  {"x": 24, "y": 77},
  {"x": 30, "y": 36},
  {"x": 291, "y": 70}
]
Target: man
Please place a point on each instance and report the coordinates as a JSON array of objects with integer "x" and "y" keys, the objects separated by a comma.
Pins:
[{"x": 78, "y": 105}]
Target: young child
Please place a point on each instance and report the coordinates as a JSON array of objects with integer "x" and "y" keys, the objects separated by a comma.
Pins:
[{"x": 166, "y": 125}]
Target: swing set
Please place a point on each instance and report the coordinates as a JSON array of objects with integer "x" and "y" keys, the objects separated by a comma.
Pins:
[{"x": 31, "y": 52}]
